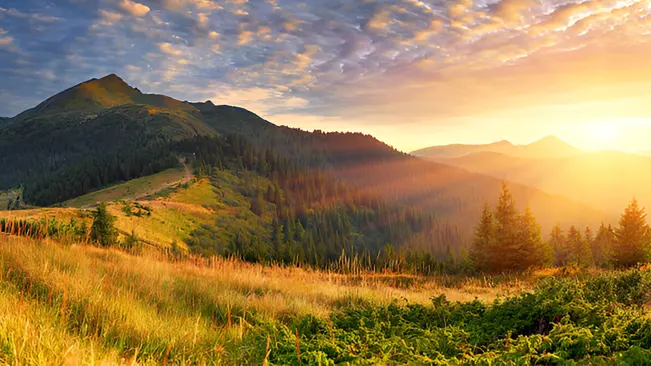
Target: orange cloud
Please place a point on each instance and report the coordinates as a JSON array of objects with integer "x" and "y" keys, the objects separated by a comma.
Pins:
[
  {"x": 134, "y": 8},
  {"x": 512, "y": 11},
  {"x": 459, "y": 8},
  {"x": 109, "y": 17},
  {"x": 169, "y": 49}
]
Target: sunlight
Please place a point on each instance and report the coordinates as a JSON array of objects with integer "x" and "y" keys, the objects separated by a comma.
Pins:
[{"x": 601, "y": 135}]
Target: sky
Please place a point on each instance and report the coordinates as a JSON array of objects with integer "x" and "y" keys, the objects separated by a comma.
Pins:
[{"x": 413, "y": 73}]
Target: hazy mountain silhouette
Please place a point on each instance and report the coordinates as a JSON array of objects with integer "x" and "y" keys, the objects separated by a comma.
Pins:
[
  {"x": 607, "y": 180},
  {"x": 549, "y": 146}
]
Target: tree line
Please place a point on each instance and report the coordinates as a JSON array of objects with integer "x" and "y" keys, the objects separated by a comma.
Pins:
[
  {"x": 507, "y": 240},
  {"x": 316, "y": 218}
]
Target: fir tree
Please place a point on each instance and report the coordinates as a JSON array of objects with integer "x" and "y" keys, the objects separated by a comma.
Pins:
[
  {"x": 580, "y": 253},
  {"x": 534, "y": 251},
  {"x": 257, "y": 204},
  {"x": 103, "y": 230},
  {"x": 602, "y": 245},
  {"x": 631, "y": 237},
  {"x": 483, "y": 246},
  {"x": 558, "y": 243},
  {"x": 507, "y": 238}
]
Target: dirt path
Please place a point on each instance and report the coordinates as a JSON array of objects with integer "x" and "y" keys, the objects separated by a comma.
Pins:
[
  {"x": 186, "y": 179},
  {"x": 188, "y": 172}
]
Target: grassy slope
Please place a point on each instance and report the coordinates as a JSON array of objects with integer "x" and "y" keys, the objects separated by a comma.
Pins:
[
  {"x": 133, "y": 189},
  {"x": 211, "y": 210},
  {"x": 80, "y": 304}
]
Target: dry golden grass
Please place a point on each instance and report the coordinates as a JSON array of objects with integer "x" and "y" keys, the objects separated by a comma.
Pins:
[
  {"x": 82, "y": 304},
  {"x": 36, "y": 214}
]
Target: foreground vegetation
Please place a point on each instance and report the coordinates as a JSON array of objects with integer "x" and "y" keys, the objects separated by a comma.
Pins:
[{"x": 82, "y": 304}]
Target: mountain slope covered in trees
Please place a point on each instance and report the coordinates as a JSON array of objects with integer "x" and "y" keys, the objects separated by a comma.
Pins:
[{"x": 104, "y": 131}]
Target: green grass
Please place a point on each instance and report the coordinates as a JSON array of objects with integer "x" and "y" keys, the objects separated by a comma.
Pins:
[
  {"x": 80, "y": 304},
  {"x": 130, "y": 190}
]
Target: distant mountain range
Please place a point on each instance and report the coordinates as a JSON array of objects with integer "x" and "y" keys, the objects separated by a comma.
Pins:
[
  {"x": 547, "y": 147},
  {"x": 607, "y": 180},
  {"x": 105, "y": 122}
]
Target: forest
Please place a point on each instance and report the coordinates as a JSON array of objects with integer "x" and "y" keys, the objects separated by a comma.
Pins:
[{"x": 322, "y": 221}]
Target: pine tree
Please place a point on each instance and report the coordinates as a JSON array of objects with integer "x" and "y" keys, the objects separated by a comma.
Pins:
[
  {"x": 602, "y": 246},
  {"x": 534, "y": 251},
  {"x": 631, "y": 237},
  {"x": 103, "y": 230},
  {"x": 558, "y": 243},
  {"x": 277, "y": 240},
  {"x": 483, "y": 246},
  {"x": 507, "y": 238},
  {"x": 580, "y": 253},
  {"x": 257, "y": 205}
]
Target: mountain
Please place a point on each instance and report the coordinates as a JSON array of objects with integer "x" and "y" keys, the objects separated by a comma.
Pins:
[
  {"x": 549, "y": 146},
  {"x": 104, "y": 131}
]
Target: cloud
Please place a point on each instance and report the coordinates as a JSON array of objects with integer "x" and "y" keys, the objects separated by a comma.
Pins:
[
  {"x": 458, "y": 8},
  {"x": 381, "y": 20},
  {"x": 244, "y": 38},
  {"x": 375, "y": 61},
  {"x": 169, "y": 49},
  {"x": 512, "y": 11},
  {"x": 109, "y": 17},
  {"x": 6, "y": 41},
  {"x": 207, "y": 5},
  {"x": 569, "y": 14},
  {"x": 31, "y": 16},
  {"x": 260, "y": 100},
  {"x": 134, "y": 8}
]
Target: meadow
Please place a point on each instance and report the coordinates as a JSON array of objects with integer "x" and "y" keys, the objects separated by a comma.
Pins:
[
  {"x": 131, "y": 190},
  {"x": 74, "y": 304}
]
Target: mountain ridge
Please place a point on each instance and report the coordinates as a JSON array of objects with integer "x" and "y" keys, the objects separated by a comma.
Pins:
[{"x": 544, "y": 147}]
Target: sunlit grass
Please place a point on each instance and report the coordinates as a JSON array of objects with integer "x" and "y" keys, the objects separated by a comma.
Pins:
[
  {"x": 132, "y": 189},
  {"x": 81, "y": 304}
]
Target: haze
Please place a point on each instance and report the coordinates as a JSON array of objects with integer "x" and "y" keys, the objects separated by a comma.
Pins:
[{"x": 412, "y": 73}]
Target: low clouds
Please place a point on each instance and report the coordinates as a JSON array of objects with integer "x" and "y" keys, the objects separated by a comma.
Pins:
[
  {"x": 108, "y": 17},
  {"x": 369, "y": 59},
  {"x": 37, "y": 17},
  {"x": 133, "y": 8},
  {"x": 6, "y": 41},
  {"x": 169, "y": 49}
]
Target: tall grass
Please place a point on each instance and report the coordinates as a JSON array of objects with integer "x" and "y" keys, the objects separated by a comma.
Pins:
[{"x": 81, "y": 304}]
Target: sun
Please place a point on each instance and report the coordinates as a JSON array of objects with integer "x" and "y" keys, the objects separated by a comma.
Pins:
[{"x": 602, "y": 135}]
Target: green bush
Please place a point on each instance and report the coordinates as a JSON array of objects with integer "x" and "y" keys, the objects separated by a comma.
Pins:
[{"x": 564, "y": 320}]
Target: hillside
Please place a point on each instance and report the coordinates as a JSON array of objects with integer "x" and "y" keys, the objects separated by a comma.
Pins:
[
  {"x": 133, "y": 189},
  {"x": 78, "y": 304},
  {"x": 607, "y": 180},
  {"x": 546, "y": 147},
  {"x": 103, "y": 132}
]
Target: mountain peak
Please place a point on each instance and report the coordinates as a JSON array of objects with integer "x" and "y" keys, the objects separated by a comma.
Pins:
[
  {"x": 112, "y": 77},
  {"x": 93, "y": 94},
  {"x": 502, "y": 143},
  {"x": 550, "y": 146},
  {"x": 550, "y": 141},
  {"x": 115, "y": 84}
]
